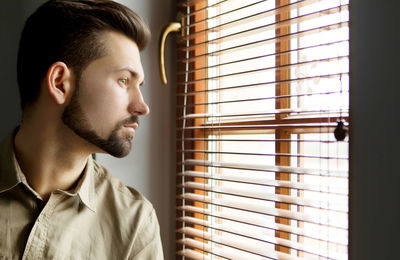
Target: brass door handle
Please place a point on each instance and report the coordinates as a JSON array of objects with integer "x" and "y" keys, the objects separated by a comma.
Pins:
[{"x": 172, "y": 27}]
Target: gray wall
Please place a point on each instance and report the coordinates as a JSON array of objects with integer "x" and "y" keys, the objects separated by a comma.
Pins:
[
  {"x": 12, "y": 18},
  {"x": 150, "y": 167},
  {"x": 375, "y": 121}
]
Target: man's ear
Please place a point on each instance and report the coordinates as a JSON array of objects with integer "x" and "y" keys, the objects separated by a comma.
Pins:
[{"x": 59, "y": 80}]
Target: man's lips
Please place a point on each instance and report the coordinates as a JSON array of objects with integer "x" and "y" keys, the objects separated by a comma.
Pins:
[{"x": 132, "y": 127}]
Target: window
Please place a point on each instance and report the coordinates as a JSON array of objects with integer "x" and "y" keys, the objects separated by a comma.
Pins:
[{"x": 261, "y": 87}]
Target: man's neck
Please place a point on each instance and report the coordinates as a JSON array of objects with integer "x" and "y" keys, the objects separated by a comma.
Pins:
[{"x": 49, "y": 159}]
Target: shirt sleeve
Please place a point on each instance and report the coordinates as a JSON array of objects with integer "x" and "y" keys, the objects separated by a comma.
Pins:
[{"x": 149, "y": 240}]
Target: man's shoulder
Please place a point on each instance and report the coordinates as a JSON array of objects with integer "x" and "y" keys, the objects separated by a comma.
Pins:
[
  {"x": 127, "y": 216},
  {"x": 110, "y": 191}
]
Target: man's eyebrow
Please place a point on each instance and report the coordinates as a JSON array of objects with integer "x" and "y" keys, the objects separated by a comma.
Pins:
[{"x": 134, "y": 74}]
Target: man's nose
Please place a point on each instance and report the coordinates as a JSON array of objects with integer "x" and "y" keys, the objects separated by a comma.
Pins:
[{"x": 137, "y": 105}]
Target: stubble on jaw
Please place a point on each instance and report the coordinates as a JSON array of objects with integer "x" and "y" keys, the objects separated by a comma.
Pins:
[{"x": 115, "y": 145}]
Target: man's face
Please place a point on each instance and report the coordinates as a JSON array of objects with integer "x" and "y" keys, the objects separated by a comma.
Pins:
[{"x": 107, "y": 100}]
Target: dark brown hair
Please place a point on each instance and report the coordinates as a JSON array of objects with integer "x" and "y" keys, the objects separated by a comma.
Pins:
[{"x": 68, "y": 31}]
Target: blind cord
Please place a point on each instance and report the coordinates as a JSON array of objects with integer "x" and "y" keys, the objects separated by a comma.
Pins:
[{"x": 340, "y": 131}]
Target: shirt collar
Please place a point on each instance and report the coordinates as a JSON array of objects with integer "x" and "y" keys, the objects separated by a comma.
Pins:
[
  {"x": 85, "y": 188},
  {"x": 11, "y": 174}
]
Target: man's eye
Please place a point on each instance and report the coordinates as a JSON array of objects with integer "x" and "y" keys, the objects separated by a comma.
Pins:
[{"x": 124, "y": 81}]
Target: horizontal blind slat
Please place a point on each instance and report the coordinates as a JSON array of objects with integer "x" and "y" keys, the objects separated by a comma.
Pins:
[
  {"x": 264, "y": 14},
  {"x": 241, "y": 178},
  {"x": 299, "y": 79},
  {"x": 290, "y": 36},
  {"x": 337, "y": 203},
  {"x": 261, "y": 251},
  {"x": 265, "y": 55},
  {"x": 259, "y": 220},
  {"x": 290, "y": 155},
  {"x": 261, "y": 115},
  {"x": 267, "y": 99},
  {"x": 259, "y": 236},
  {"x": 218, "y": 119},
  {"x": 256, "y": 140},
  {"x": 191, "y": 254},
  {"x": 287, "y": 7},
  {"x": 265, "y": 69},
  {"x": 227, "y": 251},
  {"x": 252, "y": 206},
  {"x": 216, "y": 128},
  {"x": 220, "y": 251},
  {"x": 268, "y": 168},
  {"x": 228, "y": 242},
  {"x": 235, "y": 62}
]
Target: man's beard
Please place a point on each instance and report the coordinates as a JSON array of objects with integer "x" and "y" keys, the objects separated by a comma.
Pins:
[{"x": 74, "y": 118}]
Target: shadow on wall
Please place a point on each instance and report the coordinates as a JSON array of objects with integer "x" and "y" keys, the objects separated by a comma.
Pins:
[{"x": 12, "y": 17}]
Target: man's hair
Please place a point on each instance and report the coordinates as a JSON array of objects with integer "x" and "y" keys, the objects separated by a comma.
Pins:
[{"x": 69, "y": 31}]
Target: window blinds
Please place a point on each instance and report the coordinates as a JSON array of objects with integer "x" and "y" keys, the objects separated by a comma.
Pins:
[{"x": 261, "y": 88}]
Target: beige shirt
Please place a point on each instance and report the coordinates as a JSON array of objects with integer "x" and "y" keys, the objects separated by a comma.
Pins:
[{"x": 100, "y": 219}]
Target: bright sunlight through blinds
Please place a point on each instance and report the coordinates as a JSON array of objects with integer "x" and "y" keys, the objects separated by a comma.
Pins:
[{"x": 261, "y": 88}]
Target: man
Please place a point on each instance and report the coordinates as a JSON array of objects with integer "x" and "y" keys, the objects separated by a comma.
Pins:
[{"x": 79, "y": 74}]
